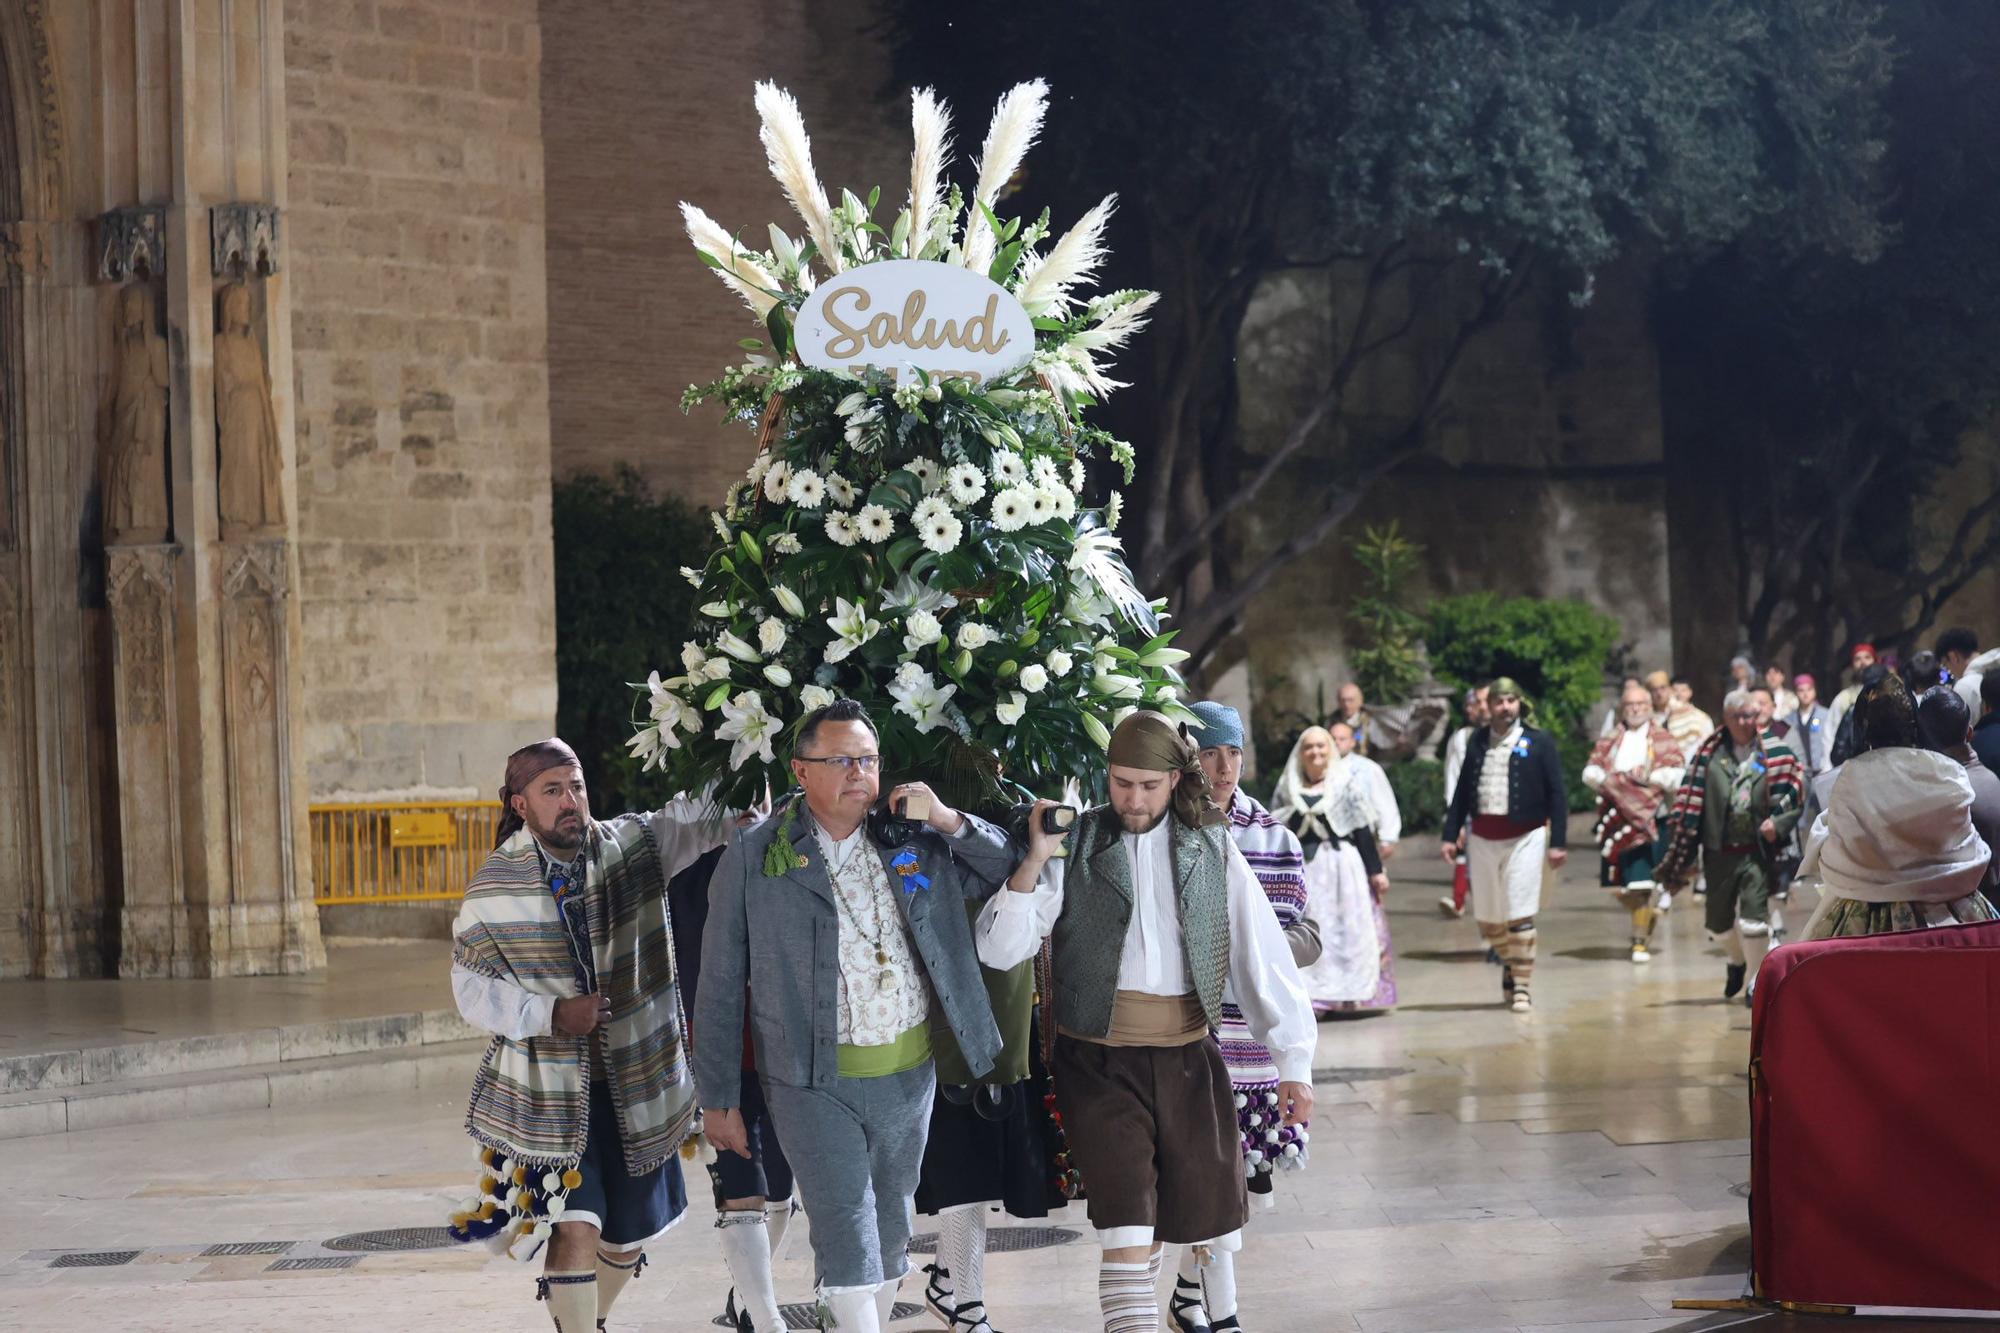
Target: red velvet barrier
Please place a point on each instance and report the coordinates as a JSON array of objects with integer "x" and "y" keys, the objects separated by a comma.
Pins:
[{"x": 1875, "y": 1121}]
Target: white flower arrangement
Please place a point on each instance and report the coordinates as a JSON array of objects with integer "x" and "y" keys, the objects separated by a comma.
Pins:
[{"x": 951, "y": 509}]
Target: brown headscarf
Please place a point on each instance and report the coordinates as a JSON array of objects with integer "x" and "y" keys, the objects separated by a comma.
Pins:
[
  {"x": 523, "y": 767},
  {"x": 1158, "y": 744}
]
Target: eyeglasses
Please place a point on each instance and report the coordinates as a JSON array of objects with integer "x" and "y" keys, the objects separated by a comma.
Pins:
[{"x": 853, "y": 763}]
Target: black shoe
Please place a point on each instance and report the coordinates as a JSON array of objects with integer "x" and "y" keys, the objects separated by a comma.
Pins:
[
  {"x": 1733, "y": 986},
  {"x": 739, "y": 1320},
  {"x": 938, "y": 1299},
  {"x": 1492, "y": 955},
  {"x": 1185, "y": 1307},
  {"x": 1228, "y": 1325},
  {"x": 1507, "y": 982}
]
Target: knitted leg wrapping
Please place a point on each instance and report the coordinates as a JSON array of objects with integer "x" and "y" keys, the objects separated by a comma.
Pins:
[
  {"x": 572, "y": 1298},
  {"x": 614, "y": 1269},
  {"x": 1125, "y": 1296}
]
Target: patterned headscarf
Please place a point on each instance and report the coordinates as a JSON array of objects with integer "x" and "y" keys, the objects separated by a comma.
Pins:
[
  {"x": 523, "y": 767},
  {"x": 1155, "y": 742},
  {"x": 1220, "y": 725}
]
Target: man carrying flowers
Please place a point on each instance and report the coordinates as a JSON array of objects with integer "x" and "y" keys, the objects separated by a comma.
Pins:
[
  {"x": 562, "y": 950},
  {"x": 848, "y": 934}
]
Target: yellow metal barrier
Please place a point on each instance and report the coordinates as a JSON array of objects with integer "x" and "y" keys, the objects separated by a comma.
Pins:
[{"x": 399, "y": 853}]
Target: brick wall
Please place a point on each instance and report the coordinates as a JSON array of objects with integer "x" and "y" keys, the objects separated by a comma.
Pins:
[
  {"x": 642, "y": 109},
  {"x": 419, "y": 336}
]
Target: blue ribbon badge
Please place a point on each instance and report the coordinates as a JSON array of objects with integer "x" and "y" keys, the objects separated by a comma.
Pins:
[{"x": 905, "y": 864}]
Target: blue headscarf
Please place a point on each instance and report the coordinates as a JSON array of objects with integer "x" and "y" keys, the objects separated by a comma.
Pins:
[{"x": 1220, "y": 725}]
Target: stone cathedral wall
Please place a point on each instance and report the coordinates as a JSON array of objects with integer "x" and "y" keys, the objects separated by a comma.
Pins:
[{"x": 420, "y": 332}]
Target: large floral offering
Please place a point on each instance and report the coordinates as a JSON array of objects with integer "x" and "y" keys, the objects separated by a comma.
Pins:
[{"x": 922, "y": 543}]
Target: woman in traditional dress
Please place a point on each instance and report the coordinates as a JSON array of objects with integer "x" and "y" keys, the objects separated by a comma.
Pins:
[
  {"x": 1324, "y": 800},
  {"x": 1895, "y": 848}
]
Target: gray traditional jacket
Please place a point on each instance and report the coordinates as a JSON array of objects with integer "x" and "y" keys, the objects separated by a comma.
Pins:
[{"x": 780, "y": 937}]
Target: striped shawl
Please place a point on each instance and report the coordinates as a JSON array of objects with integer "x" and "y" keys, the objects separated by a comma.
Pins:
[
  {"x": 530, "y": 1098},
  {"x": 1785, "y": 792}
]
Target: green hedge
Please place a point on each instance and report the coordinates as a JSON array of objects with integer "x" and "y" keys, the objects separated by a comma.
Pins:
[
  {"x": 1559, "y": 651},
  {"x": 1419, "y": 788},
  {"x": 622, "y": 610}
]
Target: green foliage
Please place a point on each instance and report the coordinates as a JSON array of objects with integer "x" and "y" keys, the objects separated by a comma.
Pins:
[
  {"x": 618, "y": 598},
  {"x": 1419, "y": 788},
  {"x": 1558, "y": 651},
  {"x": 1388, "y": 662}
]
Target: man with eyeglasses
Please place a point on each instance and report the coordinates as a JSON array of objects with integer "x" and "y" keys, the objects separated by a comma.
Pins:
[{"x": 848, "y": 933}]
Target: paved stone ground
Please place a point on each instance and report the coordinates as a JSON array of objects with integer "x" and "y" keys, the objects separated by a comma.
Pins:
[{"x": 1572, "y": 1170}]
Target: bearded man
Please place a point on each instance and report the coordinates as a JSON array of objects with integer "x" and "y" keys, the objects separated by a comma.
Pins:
[
  {"x": 1634, "y": 772},
  {"x": 1510, "y": 813},
  {"x": 563, "y": 951},
  {"x": 1154, "y": 917}
]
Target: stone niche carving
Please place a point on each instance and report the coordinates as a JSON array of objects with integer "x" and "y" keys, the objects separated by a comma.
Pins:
[
  {"x": 131, "y": 243},
  {"x": 243, "y": 239},
  {"x": 135, "y": 425},
  {"x": 141, "y": 582},
  {"x": 250, "y": 461},
  {"x": 257, "y": 720}
]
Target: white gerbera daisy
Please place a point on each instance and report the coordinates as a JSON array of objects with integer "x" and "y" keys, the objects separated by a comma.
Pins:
[
  {"x": 874, "y": 524},
  {"x": 1065, "y": 503},
  {"x": 841, "y": 489},
  {"x": 966, "y": 485},
  {"x": 1113, "y": 509},
  {"x": 1041, "y": 504},
  {"x": 777, "y": 480},
  {"x": 1076, "y": 474},
  {"x": 927, "y": 472},
  {"x": 841, "y": 529},
  {"x": 1008, "y": 469},
  {"x": 806, "y": 490},
  {"x": 941, "y": 534},
  {"x": 929, "y": 509},
  {"x": 785, "y": 543},
  {"x": 1010, "y": 509},
  {"x": 1045, "y": 472}
]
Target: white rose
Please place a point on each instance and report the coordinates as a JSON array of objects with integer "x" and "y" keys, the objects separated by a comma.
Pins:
[
  {"x": 1034, "y": 678},
  {"x": 771, "y": 635},
  {"x": 814, "y": 697},
  {"x": 1059, "y": 663},
  {"x": 1009, "y": 711},
  {"x": 972, "y": 636},
  {"x": 922, "y": 627}
]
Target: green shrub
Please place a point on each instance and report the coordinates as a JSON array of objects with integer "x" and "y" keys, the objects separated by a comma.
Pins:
[
  {"x": 1558, "y": 651},
  {"x": 1419, "y": 788},
  {"x": 622, "y": 609}
]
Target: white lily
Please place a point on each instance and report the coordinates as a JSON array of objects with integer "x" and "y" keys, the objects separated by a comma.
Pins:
[
  {"x": 851, "y": 625},
  {"x": 788, "y": 601},
  {"x": 921, "y": 699},
  {"x": 751, "y": 728},
  {"x": 729, "y": 643},
  {"x": 778, "y": 676}
]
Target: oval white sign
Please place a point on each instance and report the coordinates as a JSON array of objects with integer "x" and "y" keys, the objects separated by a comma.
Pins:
[{"x": 903, "y": 313}]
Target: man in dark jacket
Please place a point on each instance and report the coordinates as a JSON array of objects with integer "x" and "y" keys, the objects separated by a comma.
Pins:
[{"x": 1511, "y": 810}]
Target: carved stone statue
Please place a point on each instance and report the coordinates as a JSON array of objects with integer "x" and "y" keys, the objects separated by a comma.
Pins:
[
  {"x": 245, "y": 426},
  {"x": 135, "y": 491}
]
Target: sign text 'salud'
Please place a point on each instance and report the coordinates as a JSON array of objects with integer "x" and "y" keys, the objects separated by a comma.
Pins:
[{"x": 905, "y": 314}]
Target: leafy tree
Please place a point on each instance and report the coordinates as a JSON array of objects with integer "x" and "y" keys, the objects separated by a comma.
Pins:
[
  {"x": 1819, "y": 404},
  {"x": 1388, "y": 663},
  {"x": 1442, "y": 156},
  {"x": 1557, "y": 651}
]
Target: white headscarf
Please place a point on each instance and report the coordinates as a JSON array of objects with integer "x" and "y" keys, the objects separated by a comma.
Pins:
[
  {"x": 1897, "y": 828},
  {"x": 1339, "y": 807}
]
